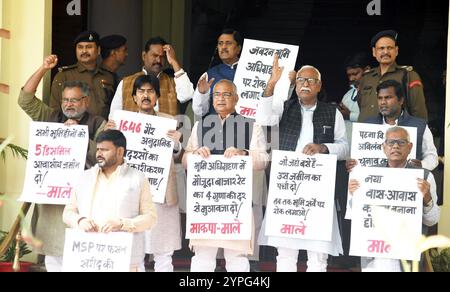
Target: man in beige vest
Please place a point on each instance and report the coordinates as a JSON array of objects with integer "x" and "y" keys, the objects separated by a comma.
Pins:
[{"x": 178, "y": 88}]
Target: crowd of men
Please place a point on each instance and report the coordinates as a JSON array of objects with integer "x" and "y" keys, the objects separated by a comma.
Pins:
[{"x": 90, "y": 91}]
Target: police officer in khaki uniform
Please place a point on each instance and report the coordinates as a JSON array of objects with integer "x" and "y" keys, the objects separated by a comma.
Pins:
[
  {"x": 385, "y": 50},
  {"x": 114, "y": 54},
  {"x": 100, "y": 81}
]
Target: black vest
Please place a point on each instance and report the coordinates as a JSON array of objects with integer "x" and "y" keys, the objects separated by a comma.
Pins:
[
  {"x": 324, "y": 120},
  {"x": 235, "y": 132},
  {"x": 406, "y": 120}
]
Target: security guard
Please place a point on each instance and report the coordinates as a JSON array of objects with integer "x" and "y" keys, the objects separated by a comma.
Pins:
[
  {"x": 114, "y": 54},
  {"x": 100, "y": 81},
  {"x": 385, "y": 50}
]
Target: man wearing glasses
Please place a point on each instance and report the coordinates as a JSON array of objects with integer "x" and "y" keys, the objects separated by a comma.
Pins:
[
  {"x": 47, "y": 219},
  {"x": 310, "y": 127},
  {"x": 229, "y": 134},
  {"x": 385, "y": 50},
  {"x": 397, "y": 148},
  {"x": 391, "y": 102}
]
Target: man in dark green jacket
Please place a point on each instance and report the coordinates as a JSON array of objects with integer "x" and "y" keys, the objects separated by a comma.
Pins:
[{"x": 47, "y": 219}]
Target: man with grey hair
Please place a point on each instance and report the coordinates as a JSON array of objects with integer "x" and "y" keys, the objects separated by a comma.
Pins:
[
  {"x": 397, "y": 148},
  {"x": 229, "y": 134},
  {"x": 310, "y": 127},
  {"x": 47, "y": 219}
]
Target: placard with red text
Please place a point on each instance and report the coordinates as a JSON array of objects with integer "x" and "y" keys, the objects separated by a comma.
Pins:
[{"x": 56, "y": 158}]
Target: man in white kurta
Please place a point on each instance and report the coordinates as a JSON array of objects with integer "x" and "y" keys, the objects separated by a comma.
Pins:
[
  {"x": 235, "y": 251},
  {"x": 112, "y": 197},
  {"x": 300, "y": 123},
  {"x": 165, "y": 237}
]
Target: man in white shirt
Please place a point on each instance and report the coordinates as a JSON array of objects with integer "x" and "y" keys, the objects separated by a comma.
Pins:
[
  {"x": 113, "y": 197},
  {"x": 310, "y": 127}
]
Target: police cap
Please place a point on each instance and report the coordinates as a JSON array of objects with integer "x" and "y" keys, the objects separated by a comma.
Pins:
[
  {"x": 87, "y": 36},
  {"x": 392, "y": 34},
  {"x": 112, "y": 42}
]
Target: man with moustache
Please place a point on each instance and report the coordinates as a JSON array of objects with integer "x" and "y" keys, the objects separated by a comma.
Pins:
[
  {"x": 113, "y": 197},
  {"x": 385, "y": 50},
  {"x": 47, "y": 219},
  {"x": 165, "y": 238},
  {"x": 173, "y": 89},
  {"x": 310, "y": 127},
  {"x": 99, "y": 80},
  {"x": 229, "y": 46},
  {"x": 397, "y": 148},
  {"x": 391, "y": 112}
]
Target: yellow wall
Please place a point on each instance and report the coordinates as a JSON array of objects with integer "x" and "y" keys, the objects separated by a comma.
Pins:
[
  {"x": 444, "y": 224},
  {"x": 30, "y": 26}
]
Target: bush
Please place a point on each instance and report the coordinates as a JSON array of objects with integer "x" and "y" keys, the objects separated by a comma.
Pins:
[{"x": 440, "y": 260}]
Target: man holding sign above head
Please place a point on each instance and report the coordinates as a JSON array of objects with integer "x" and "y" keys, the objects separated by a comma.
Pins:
[
  {"x": 391, "y": 105},
  {"x": 113, "y": 197},
  {"x": 310, "y": 127},
  {"x": 165, "y": 237},
  {"x": 47, "y": 223},
  {"x": 397, "y": 147},
  {"x": 229, "y": 134}
]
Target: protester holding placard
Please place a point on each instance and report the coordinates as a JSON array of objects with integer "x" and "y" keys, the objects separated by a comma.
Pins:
[
  {"x": 391, "y": 103},
  {"x": 397, "y": 147},
  {"x": 113, "y": 197},
  {"x": 165, "y": 237},
  {"x": 226, "y": 133},
  {"x": 310, "y": 127},
  {"x": 47, "y": 222}
]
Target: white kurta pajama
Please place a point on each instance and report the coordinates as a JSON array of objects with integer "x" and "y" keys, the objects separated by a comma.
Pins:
[
  {"x": 270, "y": 113},
  {"x": 234, "y": 250}
]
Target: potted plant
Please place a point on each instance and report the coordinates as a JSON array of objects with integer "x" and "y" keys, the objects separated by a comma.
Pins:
[
  {"x": 7, "y": 259},
  {"x": 12, "y": 247},
  {"x": 440, "y": 260}
]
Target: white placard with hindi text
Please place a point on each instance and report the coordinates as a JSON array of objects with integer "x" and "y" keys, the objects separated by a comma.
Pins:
[
  {"x": 219, "y": 198},
  {"x": 387, "y": 213},
  {"x": 148, "y": 147},
  {"x": 97, "y": 252},
  {"x": 254, "y": 70},
  {"x": 56, "y": 158},
  {"x": 367, "y": 148},
  {"x": 367, "y": 143},
  {"x": 301, "y": 196}
]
